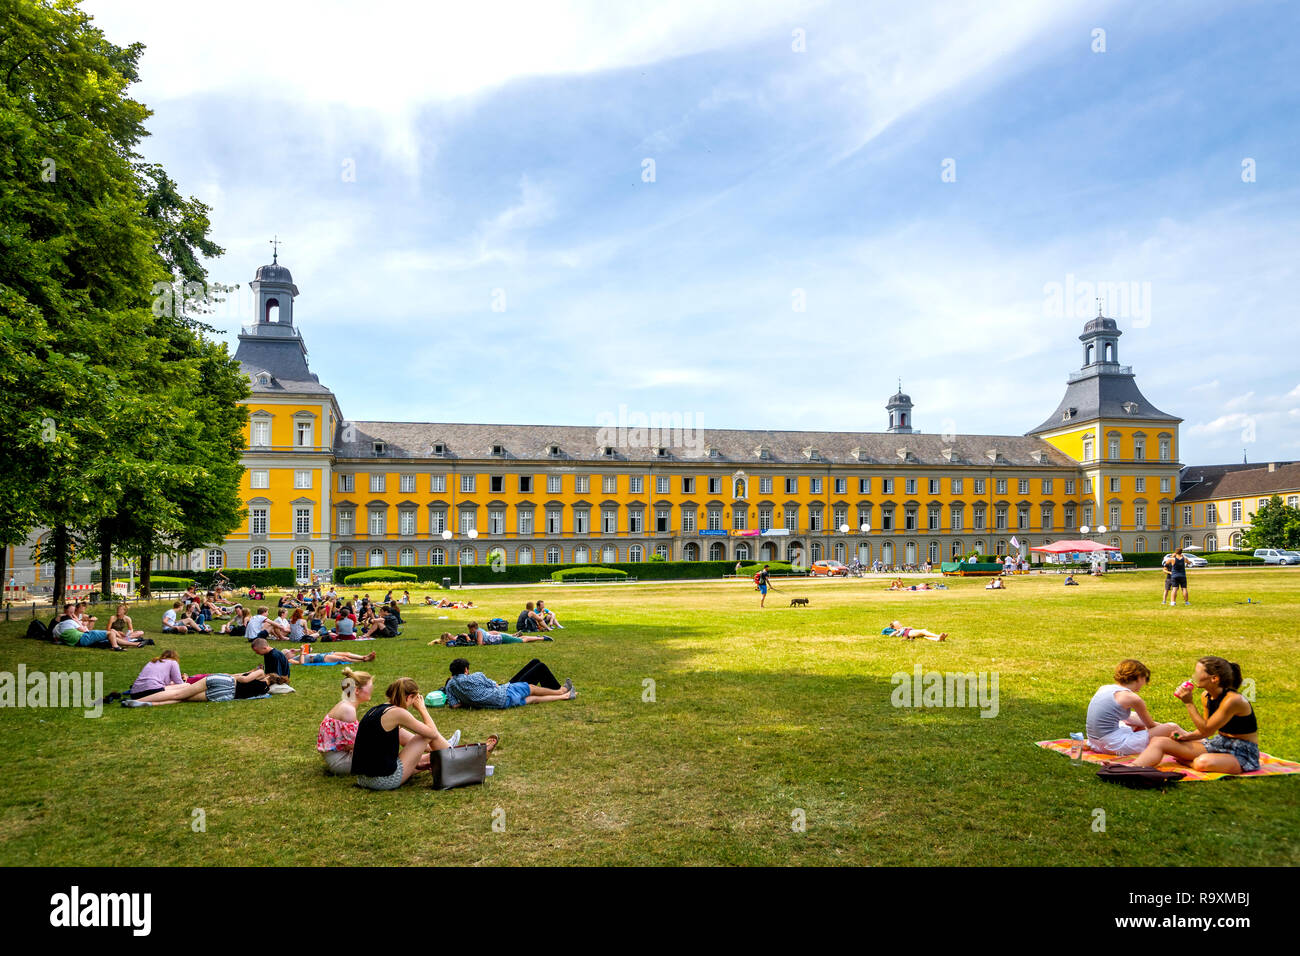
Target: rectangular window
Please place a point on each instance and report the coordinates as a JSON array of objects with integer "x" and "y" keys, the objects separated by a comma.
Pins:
[
  {"x": 1292, "y": 501},
  {"x": 1164, "y": 517},
  {"x": 864, "y": 486},
  {"x": 979, "y": 486},
  {"x": 552, "y": 520},
  {"x": 634, "y": 519},
  {"x": 909, "y": 485},
  {"x": 979, "y": 517},
  {"x": 662, "y": 517},
  {"x": 438, "y": 484},
  {"x": 814, "y": 486},
  {"x": 886, "y": 518},
  {"x": 525, "y": 484},
  {"x": 841, "y": 486},
  {"x": 955, "y": 517},
  {"x": 1087, "y": 515},
  {"x": 377, "y": 522},
  {"x": 406, "y": 483},
  {"x": 261, "y": 435},
  {"x": 525, "y": 520},
  {"x": 738, "y": 518},
  {"x": 765, "y": 486},
  {"x": 764, "y": 519},
  {"x": 1139, "y": 484},
  {"x": 496, "y": 484},
  {"x": 688, "y": 521},
  {"x": 1164, "y": 449},
  {"x": 345, "y": 522},
  {"x": 581, "y": 521},
  {"x": 582, "y": 484},
  {"x": 1211, "y": 514},
  {"x": 406, "y": 522},
  {"x": 346, "y": 483},
  {"x": 1024, "y": 486},
  {"x": 1112, "y": 448},
  {"x": 553, "y": 484},
  {"x": 466, "y": 483},
  {"x": 1164, "y": 483},
  {"x": 377, "y": 482},
  {"x": 887, "y": 486},
  {"x": 1140, "y": 515},
  {"x": 1069, "y": 486},
  {"x": 1236, "y": 511},
  {"x": 257, "y": 520},
  {"x": 688, "y": 485},
  {"x": 259, "y": 478},
  {"x": 302, "y": 478},
  {"x": 1046, "y": 516},
  {"x": 1087, "y": 486},
  {"x": 792, "y": 517},
  {"x": 1139, "y": 448},
  {"x": 792, "y": 486},
  {"x": 1022, "y": 517},
  {"x": 840, "y": 517},
  {"x": 661, "y": 485},
  {"x": 933, "y": 519},
  {"x": 715, "y": 486},
  {"x": 609, "y": 484},
  {"x": 496, "y": 521},
  {"x": 437, "y": 522},
  {"x": 1069, "y": 517},
  {"x": 909, "y": 518},
  {"x": 1087, "y": 449},
  {"x": 715, "y": 519},
  {"x": 468, "y": 521},
  {"x": 1001, "y": 486},
  {"x": 1114, "y": 517},
  {"x": 933, "y": 485},
  {"x": 1047, "y": 486},
  {"x": 634, "y": 483},
  {"x": 1000, "y": 517},
  {"x": 608, "y": 521},
  {"x": 956, "y": 486},
  {"x": 814, "y": 519},
  {"x": 1114, "y": 485},
  {"x": 1187, "y": 514},
  {"x": 302, "y": 434}
]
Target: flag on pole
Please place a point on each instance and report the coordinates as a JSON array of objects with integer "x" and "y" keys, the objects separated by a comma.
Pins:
[{"x": 1014, "y": 543}]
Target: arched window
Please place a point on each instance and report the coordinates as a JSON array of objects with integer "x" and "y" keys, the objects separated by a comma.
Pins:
[
  {"x": 553, "y": 555},
  {"x": 634, "y": 553},
  {"x": 887, "y": 554},
  {"x": 1140, "y": 543},
  {"x": 467, "y": 555},
  {"x": 1211, "y": 542},
  {"x": 377, "y": 558},
  {"x": 216, "y": 558},
  {"x": 257, "y": 559},
  {"x": 272, "y": 313},
  {"x": 524, "y": 555},
  {"x": 979, "y": 547},
  {"x": 1001, "y": 548},
  {"x": 957, "y": 550},
  {"x": 1235, "y": 541},
  {"x": 715, "y": 551},
  {"x": 581, "y": 555},
  {"x": 1187, "y": 541},
  {"x": 864, "y": 553},
  {"x": 742, "y": 552},
  {"x": 690, "y": 551},
  {"x": 839, "y": 551},
  {"x": 661, "y": 551},
  {"x": 406, "y": 558},
  {"x": 816, "y": 551},
  {"x": 933, "y": 556},
  {"x": 911, "y": 553},
  {"x": 608, "y": 554},
  {"x": 437, "y": 556},
  {"x": 302, "y": 565},
  {"x": 346, "y": 558},
  {"x": 794, "y": 552}
]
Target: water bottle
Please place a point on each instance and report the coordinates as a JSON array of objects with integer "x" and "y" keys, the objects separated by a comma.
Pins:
[{"x": 1076, "y": 748}]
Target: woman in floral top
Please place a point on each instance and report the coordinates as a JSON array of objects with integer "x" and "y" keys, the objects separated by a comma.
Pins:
[{"x": 338, "y": 729}]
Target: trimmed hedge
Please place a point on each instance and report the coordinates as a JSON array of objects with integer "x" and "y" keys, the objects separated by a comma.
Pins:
[
  {"x": 588, "y": 571},
  {"x": 166, "y": 583},
  {"x": 533, "y": 573},
  {"x": 243, "y": 577},
  {"x": 380, "y": 574},
  {"x": 773, "y": 567}
]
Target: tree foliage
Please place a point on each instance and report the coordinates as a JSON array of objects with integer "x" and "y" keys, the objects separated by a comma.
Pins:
[{"x": 1274, "y": 526}]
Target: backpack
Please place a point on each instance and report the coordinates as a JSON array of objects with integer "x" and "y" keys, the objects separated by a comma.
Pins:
[
  {"x": 1139, "y": 778},
  {"x": 498, "y": 624},
  {"x": 758, "y": 578},
  {"x": 40, "y": 631}
]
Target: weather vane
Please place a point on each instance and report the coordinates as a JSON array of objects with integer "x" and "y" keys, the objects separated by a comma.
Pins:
[{"x": 275, "y": 250}]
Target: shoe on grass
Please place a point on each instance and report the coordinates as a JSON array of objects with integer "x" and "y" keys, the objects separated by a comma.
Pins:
[
  {"x": 137, "y": 703},
  {"x": 568, "y": 683}
]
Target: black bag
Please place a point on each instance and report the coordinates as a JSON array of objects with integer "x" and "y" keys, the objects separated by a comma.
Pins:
[
  {"x": 40, "y": 631},
  {"x": 1140, "y": 778},
  {"x": 535, "y": 672},
  {"x": 499, "y": 624},
  {"x": 461, "y": 766}
]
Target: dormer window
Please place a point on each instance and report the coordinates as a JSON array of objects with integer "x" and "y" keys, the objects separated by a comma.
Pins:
[
  {"x": 1131, "y": 407},
  {"x": 812, "y": 454},
  {"x": 380, "y": 447},
  {"x": 439, "y": 448},
  {"x": 553, "y": 451},
  {"x": 263, "y": 378},
  {"x": 763, "y": 452},
  {"x": 607, "y": 451},
  {"x": 661, "y": 452},
  {"x": 712, "y": 452},
  {"x": 498, "y": 451},
  {"x": 1069, "y": 413}
]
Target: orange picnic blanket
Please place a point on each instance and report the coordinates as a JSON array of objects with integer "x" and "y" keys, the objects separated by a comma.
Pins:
[{"x": 1268, "y": 765}]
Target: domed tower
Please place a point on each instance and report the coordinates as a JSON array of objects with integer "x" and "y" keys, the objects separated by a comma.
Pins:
[
  {"x": 274, "y": 291},
  {"x": 900, "y": 413}
]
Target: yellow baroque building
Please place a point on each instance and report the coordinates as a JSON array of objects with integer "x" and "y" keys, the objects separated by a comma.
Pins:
[{"x": 323, "y": 491}]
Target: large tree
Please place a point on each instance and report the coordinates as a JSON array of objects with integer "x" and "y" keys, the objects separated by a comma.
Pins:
[{"x": 1274, "y": 526}]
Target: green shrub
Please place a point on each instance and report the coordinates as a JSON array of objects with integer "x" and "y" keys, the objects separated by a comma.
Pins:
[
  {"x": 159, "y": 582},
  {"x": 243, "y": 577},
  {"x": 588, "y": 571},
  {"x": 773, "y": 567},
  {"x": 533, "y": 573},
  {"x": 385, "y": 575}
]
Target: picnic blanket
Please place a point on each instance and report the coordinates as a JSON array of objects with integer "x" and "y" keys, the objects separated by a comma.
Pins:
[{"x": 1268, "y": 765}]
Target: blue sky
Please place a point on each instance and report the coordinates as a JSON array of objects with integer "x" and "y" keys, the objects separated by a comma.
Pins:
[{"x": 499, "y": 157}]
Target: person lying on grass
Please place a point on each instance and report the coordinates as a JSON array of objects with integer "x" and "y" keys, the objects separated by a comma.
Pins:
[
  {"x": 478, "y": 690},
  {"x": 443, "y": 602},
  {"x": 296, "y": 656},
  {"x": 1226, "y": 739},
  {"x": 481, "y": 637},
  {"x": 1118, "y": 720},
  {"x": 383, "y": 757},
  {"x": 896, "y": 585},
  {"x": 338, "y": 728},
  {"x": 912, "y": 633},
  {"x": 214, "y": 687}
]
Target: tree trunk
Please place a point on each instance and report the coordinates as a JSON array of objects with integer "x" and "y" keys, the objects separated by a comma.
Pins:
[
  {"x": 60, "y": 539},
  {"x": 4, "y": 564},
  {"x": 146, "y": 565},
  {"x": 105, "y": 562}
]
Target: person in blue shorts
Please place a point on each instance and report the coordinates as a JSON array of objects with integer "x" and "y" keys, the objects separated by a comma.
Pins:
[
  {"x": 480, "y": 691},
  {"x": 760, "y": 580}
]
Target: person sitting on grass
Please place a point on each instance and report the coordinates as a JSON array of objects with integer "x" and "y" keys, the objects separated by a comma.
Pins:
[
  {"x": 912, "y": 633},
  {"x": 277, "y": 630},
  {"x": 273, "y": 661},
  {"x": 482, "y": 638},
  {"x": 529, "y": 621},
  {"x": 257, "y": 625},
  {"x": 1226, "y": 739},
  {"x": 72, "y": 632},
  {"x": 338, "y": 729},
  {"x": 296, "y": 656},
  {"x": 237, "y": 626},
  {"x": 480, "y": 691},
  {"x": 381, "y": 626},
  {"x": 381, "y": 758},
  {"x": 547, "y": 615},
  {"x": 345, "y": 624},
  {"x": 995, "y": 585},
  {"x": 1118, "y": 720},
  {"x": 1070, "y": 582},
  {"x": 298, "y": 629},
  {"x": 896, "y": 585},
  {"x": 160, "y": 673},
  {"x": 217, "y": 688},
  {"x": 173, "y": 622},
  {"x": 82, "y": 614},
  {"x": 121, "y": 622}
]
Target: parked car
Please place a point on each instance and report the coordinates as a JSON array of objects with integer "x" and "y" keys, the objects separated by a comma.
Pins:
[
  {"x": 1193, "y": 560},
  {"x": 1277, "y": 556},
  {"x": 829, "y": 569}
]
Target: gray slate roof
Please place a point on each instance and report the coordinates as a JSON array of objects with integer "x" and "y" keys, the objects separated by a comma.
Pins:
[
  {"x": 736, "y": 447},
  {"x": 1103, "y": 395},
  {"x": 284, "y": 357},
  {"x": 1239, "y": 481}
]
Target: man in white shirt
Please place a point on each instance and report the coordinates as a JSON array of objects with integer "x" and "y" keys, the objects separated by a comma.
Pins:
[
  {"x": 173, "y": 623},
  {"x": 256, "y": 625}
]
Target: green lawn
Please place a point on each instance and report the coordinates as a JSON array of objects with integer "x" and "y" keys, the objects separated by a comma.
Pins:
[{"x": 758, "y": 714}]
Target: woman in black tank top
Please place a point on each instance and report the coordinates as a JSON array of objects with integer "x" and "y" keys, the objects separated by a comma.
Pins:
[
  {"x": 393, "y": 739},
  {"x": 1226, "y": 739}
]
